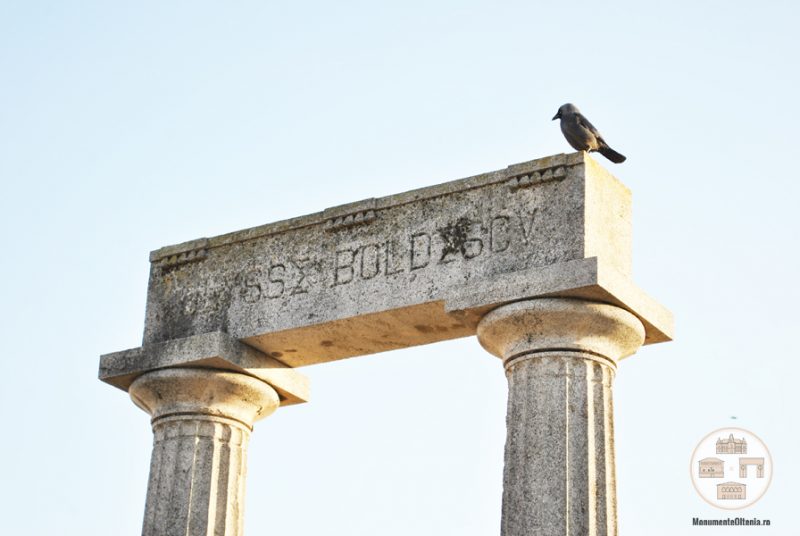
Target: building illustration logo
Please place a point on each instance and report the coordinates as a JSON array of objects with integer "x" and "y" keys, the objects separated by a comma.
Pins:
[
  {"x": 723, "y": 476},
  {"x": 712, "y": 468},
  {"x": 731, "y": 445}
]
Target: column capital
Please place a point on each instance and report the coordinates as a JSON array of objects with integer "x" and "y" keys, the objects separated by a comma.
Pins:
[
  {"x": 196, "y": 392},
  {"x": 528, "y": 328}
]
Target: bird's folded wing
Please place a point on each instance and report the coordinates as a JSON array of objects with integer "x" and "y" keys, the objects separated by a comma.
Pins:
[{"x": 587, "y": 125}]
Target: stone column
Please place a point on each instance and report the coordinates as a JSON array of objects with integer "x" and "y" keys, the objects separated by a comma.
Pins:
[
  {"x": 560, "y": 357},
  {"x": 202, "y": 420}
]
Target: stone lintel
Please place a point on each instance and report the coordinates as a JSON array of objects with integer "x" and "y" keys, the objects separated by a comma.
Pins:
[
  {"x": 407, "y": 269},
  {"x": 209, "y": 350}
]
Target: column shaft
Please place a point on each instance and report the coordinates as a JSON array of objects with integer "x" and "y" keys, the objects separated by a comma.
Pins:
[
  {"x": 197, "y": 478},
  {"x": 202, "y": 420},
  {"x": 559, "y": 460}
]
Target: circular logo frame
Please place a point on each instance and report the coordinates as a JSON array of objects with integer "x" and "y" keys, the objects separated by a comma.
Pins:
[{"x": 714, "y": 459}]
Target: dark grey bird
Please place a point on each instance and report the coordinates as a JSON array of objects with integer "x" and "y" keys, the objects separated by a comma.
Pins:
[{"x": 582, "y": 135}]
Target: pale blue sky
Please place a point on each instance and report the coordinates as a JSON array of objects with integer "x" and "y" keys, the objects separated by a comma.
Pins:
[{"x": 128, "y": 126}]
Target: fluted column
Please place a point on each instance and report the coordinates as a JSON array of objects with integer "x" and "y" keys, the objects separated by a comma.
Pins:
[
  {"x": 202, "y": 420},
  {"x": 560, "y": 357}
]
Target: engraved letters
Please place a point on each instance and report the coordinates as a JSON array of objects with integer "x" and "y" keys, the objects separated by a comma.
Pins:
[
  {"x": 302, "y": 285},
  {"x": 276, "y": 285},
  {"x": 526, "y": 224},
  {"x": 420, "y": 250},
  {"x": 343, "y": 264},
  {"x": 252, "y": 288},
  {"x": 498, "y": 234},
  {"x": 390, "y": 259},
  {"x": 370, "y": 261},
  {"x": 462, "y": 240}
]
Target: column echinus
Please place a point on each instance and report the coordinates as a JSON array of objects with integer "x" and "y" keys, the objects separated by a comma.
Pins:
[{"x": 535, "y": 259}]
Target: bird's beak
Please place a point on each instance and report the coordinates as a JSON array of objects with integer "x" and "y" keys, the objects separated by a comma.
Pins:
[{"x": 557, "y": 116}]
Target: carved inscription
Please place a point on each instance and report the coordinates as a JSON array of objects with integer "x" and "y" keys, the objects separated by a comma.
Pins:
[
  {"x": 289, "y": 277},
  {"x": 460, "y": 241}
]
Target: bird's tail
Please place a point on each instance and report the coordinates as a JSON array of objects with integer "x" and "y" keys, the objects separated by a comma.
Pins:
[{"x": 611, "y": 154}]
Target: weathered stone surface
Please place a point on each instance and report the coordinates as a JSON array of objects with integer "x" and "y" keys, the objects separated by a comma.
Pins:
[
  {"x": 407, "y": 269},
  {"x": 208, "y": 350},
  {"x": 527, "y": 328},
  {"x": 560, "y": 356},
  {"x": 202, "y": 420}
]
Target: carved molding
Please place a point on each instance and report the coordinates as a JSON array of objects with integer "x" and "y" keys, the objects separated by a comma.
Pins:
[
  {"x": 193, "y": 255},
  {"x": 535, "y": 178},
  {"x": 349, "y": 220}
]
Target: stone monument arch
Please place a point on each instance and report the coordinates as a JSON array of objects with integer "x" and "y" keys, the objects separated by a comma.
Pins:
[
  {"x": 534, "y": 259},
  {"x": 758, "y": 462}
]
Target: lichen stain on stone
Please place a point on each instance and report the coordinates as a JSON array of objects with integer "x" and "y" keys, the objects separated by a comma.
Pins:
[
  {"x": 167, "y": 269},
  {"x": 185, "y": 312},
  {"x": 454, "y": 236}
]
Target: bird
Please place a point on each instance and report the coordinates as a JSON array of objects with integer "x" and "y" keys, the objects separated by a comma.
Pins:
[{"x": 582, "y": 135}]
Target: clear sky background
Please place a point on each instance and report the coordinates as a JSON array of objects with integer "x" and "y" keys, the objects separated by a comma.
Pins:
[{"x": 127, "y": 126}]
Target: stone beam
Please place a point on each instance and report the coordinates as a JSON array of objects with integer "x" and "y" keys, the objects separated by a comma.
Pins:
[{"x": 408, "y": 269}]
